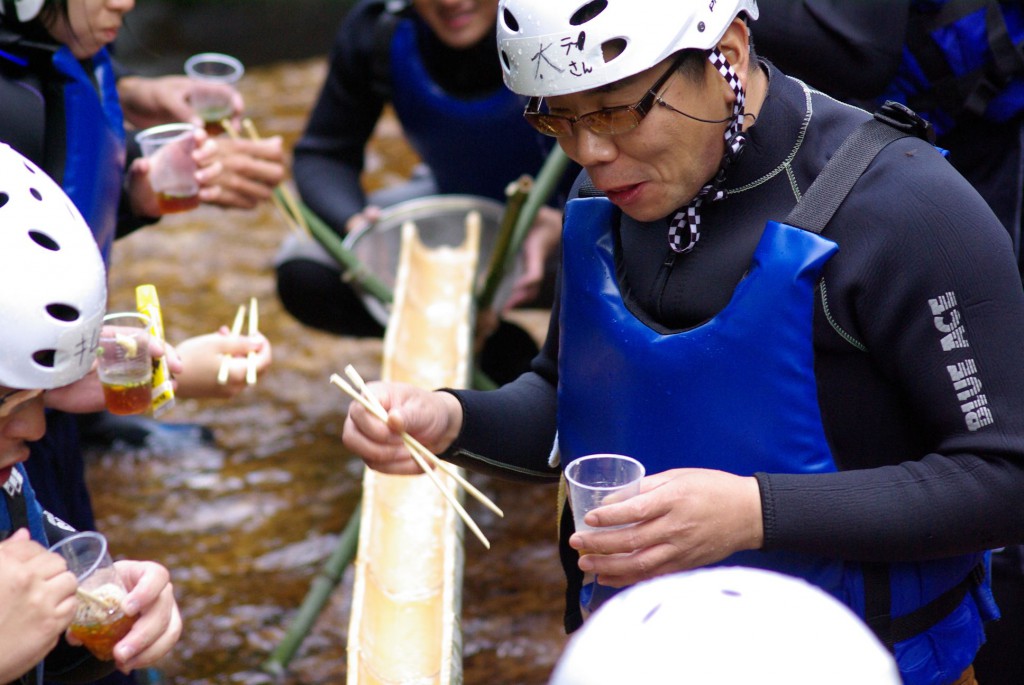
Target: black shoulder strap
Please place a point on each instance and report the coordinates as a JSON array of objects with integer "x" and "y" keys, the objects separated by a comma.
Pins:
[
  {"x": 974, "y": 90},
  {"x": 891, "y": 122}
]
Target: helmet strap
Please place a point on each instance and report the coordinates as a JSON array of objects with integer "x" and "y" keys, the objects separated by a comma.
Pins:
[{"x": 684, "y": 227}]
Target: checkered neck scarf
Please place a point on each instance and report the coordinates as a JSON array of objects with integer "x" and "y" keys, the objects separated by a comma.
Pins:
[{"x": 684, "y": 228}]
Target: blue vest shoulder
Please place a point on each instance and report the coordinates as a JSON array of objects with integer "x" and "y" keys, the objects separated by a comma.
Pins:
[{"x": 475, "y": 145}]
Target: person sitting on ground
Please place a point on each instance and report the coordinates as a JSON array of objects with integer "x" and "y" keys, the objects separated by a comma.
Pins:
[
  {"x": 841, "y": 403},
  {"x": 433, "y": 62}
]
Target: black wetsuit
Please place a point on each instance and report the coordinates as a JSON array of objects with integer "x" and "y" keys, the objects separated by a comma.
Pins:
[
  {"x": 817, "y": 41},
  {"x": 916, "y": 482}
]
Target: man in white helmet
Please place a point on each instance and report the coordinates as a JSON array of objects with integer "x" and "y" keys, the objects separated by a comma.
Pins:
[
  {"x": 52, "y": 299},
  {"x": 841, "y": 403}
]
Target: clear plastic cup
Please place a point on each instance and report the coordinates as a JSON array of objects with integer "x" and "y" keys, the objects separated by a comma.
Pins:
[
  {"x": 213, "y": 77},
  {"x": 125, "y": 363},
  {"x": 99, "y": 621}
]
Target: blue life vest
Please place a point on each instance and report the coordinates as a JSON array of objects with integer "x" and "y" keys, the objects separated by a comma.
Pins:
[
  {"x": 18, "y": 486},
  {"x": 94, "y": 164},
  {"x": 472, "y": 146},
  {"x": 738, "y": 394},
  {"x": 962, "y": 56}
]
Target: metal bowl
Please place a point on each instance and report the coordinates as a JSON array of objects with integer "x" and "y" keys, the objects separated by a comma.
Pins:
[{"x": 440, "y": 220}]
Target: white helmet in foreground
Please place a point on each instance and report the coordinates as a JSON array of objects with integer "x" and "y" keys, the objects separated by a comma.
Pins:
[
  {"x": 554, "y": 47},
  {"x": 52, "y": 281},
  {"x": 725, "y": 626}
]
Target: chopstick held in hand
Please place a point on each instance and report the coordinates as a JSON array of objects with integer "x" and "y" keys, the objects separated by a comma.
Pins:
[
  {"x": 417, "y": 451},
  {"x": 254, "y": 329},
  {"x": 236, "y": 330}
]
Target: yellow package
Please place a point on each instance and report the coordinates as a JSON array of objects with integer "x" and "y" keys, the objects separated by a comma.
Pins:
[{"x": 147, "y": 302}]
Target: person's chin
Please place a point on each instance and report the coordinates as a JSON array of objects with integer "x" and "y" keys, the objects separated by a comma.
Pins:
[{"x": 10, "y": 459}]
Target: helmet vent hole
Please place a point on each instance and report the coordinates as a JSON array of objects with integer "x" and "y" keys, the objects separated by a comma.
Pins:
[
  {"x": 36, "y": 194},
  {"x": 4, "y": 198},
  {"x": 610, "y": 49},
  {"x": 44, "y": 241},
  {"x": 588, "y": 12},
  {"x": 510, "y": 21},
  {"x": 651, "y": 613},
  {"x": 45, "y": 358},
  {"x": 504, "y": 62},
  {"x": 63, "y": 312}
]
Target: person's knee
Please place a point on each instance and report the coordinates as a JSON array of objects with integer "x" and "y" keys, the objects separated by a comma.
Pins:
[{"x": 316, "y": 296}]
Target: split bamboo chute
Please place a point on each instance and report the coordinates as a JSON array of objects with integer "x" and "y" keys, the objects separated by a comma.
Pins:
[{"x": 406, "y": 597}]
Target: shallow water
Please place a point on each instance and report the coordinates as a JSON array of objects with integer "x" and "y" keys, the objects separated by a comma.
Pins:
[{"x": 245, "y": 524}]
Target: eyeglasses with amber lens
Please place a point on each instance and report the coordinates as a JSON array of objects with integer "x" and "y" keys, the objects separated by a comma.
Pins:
[
  {"x": 610, "y": 121},
  {"x": 11, "y": 401}
]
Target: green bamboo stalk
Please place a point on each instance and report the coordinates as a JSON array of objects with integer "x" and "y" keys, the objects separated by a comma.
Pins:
[
  {"x": 515, "y": 194},
  {"x": 350, "y": 263},
  {"x": 316, "y": 598},
  {"x": 547, "y": 180}
]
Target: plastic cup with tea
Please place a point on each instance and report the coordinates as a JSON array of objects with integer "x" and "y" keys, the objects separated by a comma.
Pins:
[
  {"x": 125, "y": 364},
  {"x": 172, "y": 170},
  {"x": 213, "y": 76},
  {"x": 99, "y": 621}
]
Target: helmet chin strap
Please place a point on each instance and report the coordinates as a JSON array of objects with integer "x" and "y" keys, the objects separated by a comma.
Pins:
[{"x": 684, "y": 227}]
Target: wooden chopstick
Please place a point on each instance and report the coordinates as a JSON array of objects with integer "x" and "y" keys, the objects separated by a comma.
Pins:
[
  {"x": 373, "y": 409},
  {"x": 254, "y": 329},
  {"x": 415, "y": 444},
  {"x": 298, "y": 224},
  {"x": 236, "y": 330},
  {"x": 92, "y": 597},
  {"x": 286, "y": 193}
]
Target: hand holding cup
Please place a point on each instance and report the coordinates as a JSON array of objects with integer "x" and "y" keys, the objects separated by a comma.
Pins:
[{"x": 99, "y": 621}]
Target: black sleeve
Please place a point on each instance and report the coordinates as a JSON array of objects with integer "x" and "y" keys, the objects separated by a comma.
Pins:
[
  {"x": 928, "y": 424},
  {"x": 329, "y": 155},
  {"x": 849, "y": 50},
  {"x": 490, "y": 443}
]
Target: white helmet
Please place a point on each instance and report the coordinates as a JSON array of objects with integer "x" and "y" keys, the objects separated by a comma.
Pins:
[
  {"x": 25, "y": 10},
  {"x": 52, "y": 279},
  {"x": 554, "y": 47},
  {"x": 725, "y": 626}
]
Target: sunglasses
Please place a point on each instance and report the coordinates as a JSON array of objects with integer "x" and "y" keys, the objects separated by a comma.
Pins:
[
  {"x": 609, "y": 121},
  {"x": 9, "y": 402}
]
